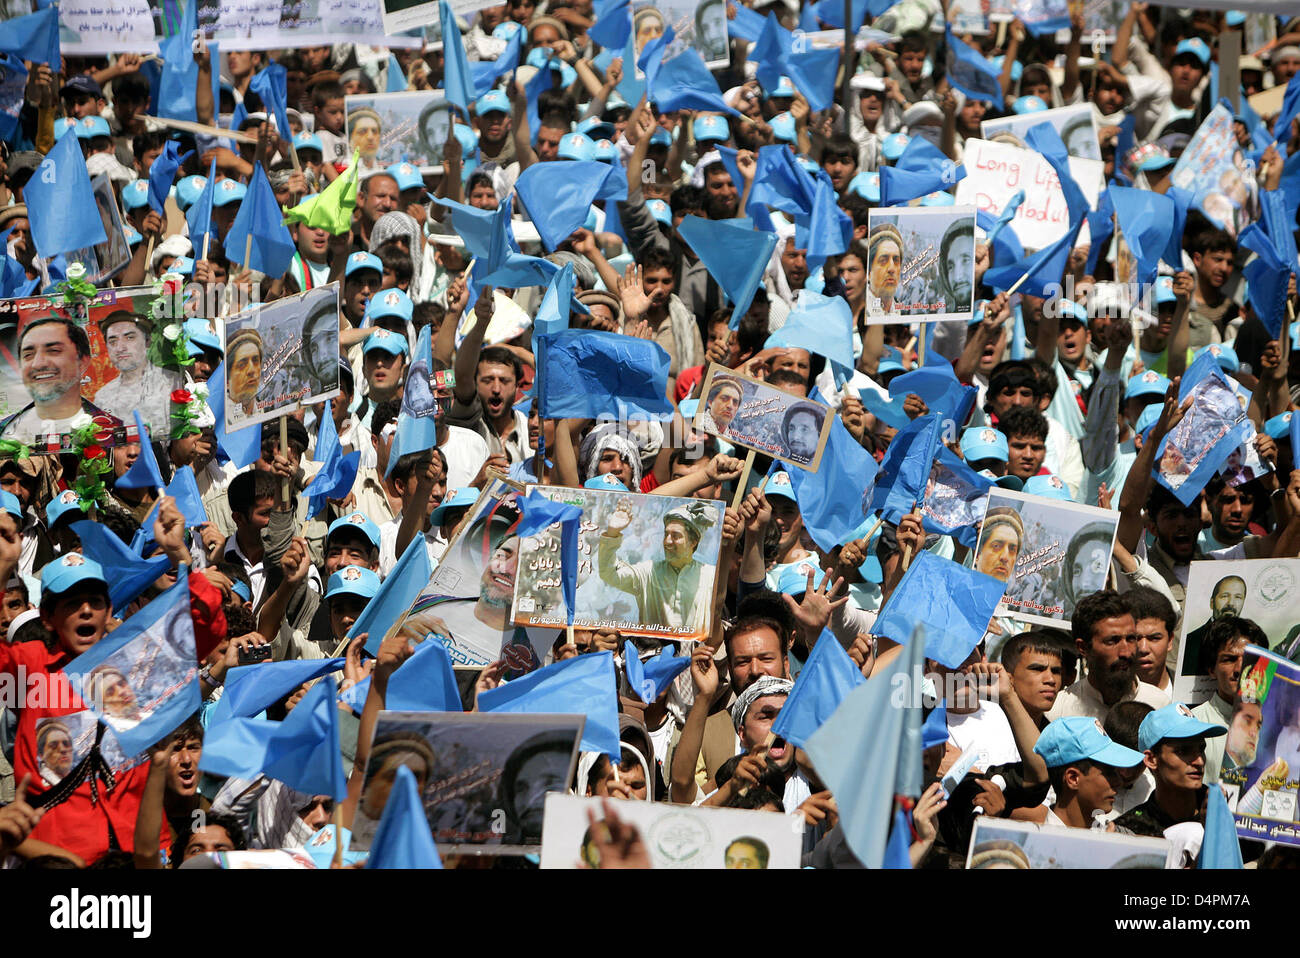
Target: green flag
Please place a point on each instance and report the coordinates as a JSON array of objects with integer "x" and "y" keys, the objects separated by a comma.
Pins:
[{"x": 332, "y": 208}]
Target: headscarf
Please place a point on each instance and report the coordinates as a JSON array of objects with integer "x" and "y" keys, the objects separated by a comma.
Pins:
[
  {"x": 393, "y": 225},
  {"x": 608, "y": 436},
  {"x": 764, "y": 686},
  {"x": 774, "y": 279}
]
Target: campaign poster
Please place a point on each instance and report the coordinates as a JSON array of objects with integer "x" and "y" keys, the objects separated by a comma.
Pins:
[
  {"x": 646, "y": 565},
  {"x": 1216, "y": 171},
  {"x": 675, "y": 836},
  {"x": 1261, "y": 590},
  {"x": 142, "y": 680},
  {"x": 1049, "y": 552},
  {"x": 1076, "y": 125},
  {"x": 967, "y": 17},
  {"x": 63, "y": 741},
  {"x": 483, "y": 778},
  {"x": 748, "y": 412},
  {"x": 922, "y": 264},
  {"x": 701, "y": 24},
  {"x": 466, "y": 605},
  {"x": 1001, "y": 843},
  {"x": 107, "y": 259},
  {"x": 1210, "y": 432},
  {"x": 1101, "y": 20},
  {"x": 280, "y": 355},
  {"x": 995, "y": 172},
  {"x": 1261, "y": 752},
  {"x": 389, "y": 128},
  {"x": 402, "y": 15}
]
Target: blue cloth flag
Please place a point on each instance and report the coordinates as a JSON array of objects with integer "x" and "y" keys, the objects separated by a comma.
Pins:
[
  {"x": 394, "y": 78},
  {"x": 558, "y": 303},
  {"x": 1144, "y": 218},
  {"x": 337, "y": 472},
  {"x": 271, "y": 83},
  {"x": 970, "y": 72},
  {"x": 613, "y": 23},
  {"x": 457, "y": 78},
  {"x": 558, "y": 196},
  {"x": 825, "y": 680},
  {"x": 131, "y": 574},
  {"x": 835, "y": 500},
  {"x": 900, "y": 841},
  {"x": 821, "y": 325},
  {"x": 811, "y": 70},
  {"x": 906, "y": 467},
  {"x": 681, "y": 83},
  {"x": 652, "y": 678},
  {"x": 260, "y": 220},
  {"x": 397, "y": 593},
  {"x": 179, "y": 76},
  {"x": 955, "y": 499},
  {"x": 590, "y": 374},
  {"x": 539, "y": 513},
  {"x": 144, "y": 472},
  {"x": 34, "y": 37},
  {"x": 142, "y": 679},
  {"x": 1219, "y": 847},
  {"x": 417, "y": 422},
  {"x": 952, "y": 628},
  {"x": 586, "y": 685},
  {"x": 244, "y": 445},
  {"x": 942, "y": 391},
  {"x": 487, "y": 72},
  {"x": 425, "y": 682},
  {"x": 251, "y": 689},
  {"x": 199, "y": 217},
  {"x": 1041, "y": 274},
  {"x": 403, "y": 838},
  {"x": 734, "y": 255},
  {"x": 58, "y": 195},
  {"x": 162, "y": 173}
]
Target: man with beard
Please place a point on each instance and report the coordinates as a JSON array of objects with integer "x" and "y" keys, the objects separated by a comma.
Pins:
[
  {"x": 53, "y": 356},
  {"x": 801, "y": 430},
  {"x": 884, "y": 268},
  {"x": 245, "y": 354},
  {"x": 139, "y": 384},
  {"x": 1001, "y": 537},
  {"x": 540, "y": 765},
  {"x": 1173, "y": 743},
  {"x": 957, "y": 265},
  {"x": 1227, "y": 599},
  {"x": 1106, "y": 635}
]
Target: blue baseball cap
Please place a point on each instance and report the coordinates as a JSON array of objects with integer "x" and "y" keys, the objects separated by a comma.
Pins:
[
  {"x": 200, "y": 336},
  {"x": 576, "y": 146},
  {"x": 506, "y": 30},
  {"x": 188, "y": 191},
  {"x": 89, "y": 127},
  {"x": 867, "y": 185},
  {"x": 492, "y": 101},
  {"x": 1149, "y": 383},
  {"x": 387, "y": 340},
  {"x": 1279, "y": 427},
  {"x": 596, "y": 128},
  {"x": 1193, "y": 46},
  {"x": 242, "y": 590},
  {"x": 63, "y": 126},
  {"x": 308, "y": 141},
  {"x": 688, "y": 408},
  {"x": 778, "y": 484},
  {"x": 783, "y": 128},
  {"x": 389, "y": 302},
  {"x": 615, "y": 102},
  {"x": 353, "y": 580},
  {"x": 408, "y": 177},
  {"x": 661, "y": 137},
  {"x": 135, "y": 194},
  {"x": 605, "y": 481},
  {"x": 363, "y": 260},
  {"x": 793, "y": 579},
  {"x": 886, "y": 366},
  {"x": 711, "y": 128},
  {"x": 70, "y": 570},
  {"x": 983, "y": 442},
  {"x": 9, "y": 503},
  {"x": 892, "y": 146},
  {"x": 807, "y": 164},
  {"x": 461, "y": 498},
  {"x": 661, "y": 211},
  {"x": 938, "y": 198},
  {"x": 1224, "y": 354},
  {"x": 358, "y": 521},
  {"x": 1173, "y": 721},
  {"x": 1234, "y": 18},
  {"x": 1078, "y": 737},
  {"x": 228, "y": 191},
  {"x": 1016, "y": 67},
  {"x": 783, "y": 88},
  {"x": 1049, "y": 487},
  {"x": 605, "y": 152},
  {"x": 1148, "y": 418},
  {"x": 1165, "y": 290},
  {"x": 1028, "y": 104},
  {"x": 1070, "y": 310}
]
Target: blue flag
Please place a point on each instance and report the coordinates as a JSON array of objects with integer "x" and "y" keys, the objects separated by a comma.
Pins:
[
  {"x": 780, "y": 182},
  {"x": 906, "y": 467},
  {"x": 685, "y": 83},
  {"x": 302, "y": 751},
  {"x": 417, "y": 423},
  {"x": 869, "y": 751},
  {"x": 1048, "y": 142},
  {"x": 1041, "y": 273},
  {"x": 425, "y": 682},
  {"x": 144, "y": 472},
  {"x": 260, "y": 221},
  {"x": 827, "y": 230},
  {"x": 1219, "y": 847},
  {"x": 835, "y": 501},
  {"x": 558, "y": 303},
  {"x": 250, "y": 689},
  {"x": 811, "y": 70},
  {"x": 747, "y": 25},
  {"x": 1101, "y": 226},
  {"x": 162, "y": 173},
  {"x": 558, "y": 196},
  {"x": 457, "y": 78},
  {"x": 955, "y": 498},
  {"x": 541, "y": 81},
  {"x": 1266, "y": 279},
  {"x": 199, "y": 217},
  {"x": 821, "y": 325},
  {"x": 970, "y": 72},
  {"x": 244, "y": 445},
  {"x": 131, "y": 574},
  {"x": 942, "y": 391},
  {"x": 142, "y": 679},
  {"x": 34, "y": 37},
  {"x": 185, "y": 490},
  {"x": 271, "y": 84},
  {"x": 589, "y": 374},
  {"x": 825, "y": 679},
  {"x": 952, "y": 628},
  {"x": 613, "y": 23},
  {"x": 394, "y": 78},
  {"x": 1285, "y": 117},
  {"x": 755, "y": 211},
  {"x": 586, "y": 685},
  {"x": 487, "y": 72},
  {"x": 337, "y": 472},
  {"x": 539, "y": 513},
  {"x": 1281, "y": 227},
  {"x": 397, "y": 593},
  {"x": 652, "y": 678},
  {"x": 735, "y": 256},
  {"x": 13, "y": 84},
  {"x": 179, "y": 77},
  {"x": 920, "y": 169},
  {"x": 998, "y": 232},
  {"x": 403, "y": 838},
  {"x": 58, "y": 195},
  {"x": 897, "y": 855}
]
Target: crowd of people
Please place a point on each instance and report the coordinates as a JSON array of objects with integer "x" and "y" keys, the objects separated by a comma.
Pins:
[{"x": 1074, "y": 726}]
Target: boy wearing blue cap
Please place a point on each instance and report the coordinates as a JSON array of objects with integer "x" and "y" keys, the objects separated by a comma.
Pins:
[
  {"x": 1173, "y": 744},
  {"x": 350, "y": 591},
  {"x": 1083, "y": 767}
]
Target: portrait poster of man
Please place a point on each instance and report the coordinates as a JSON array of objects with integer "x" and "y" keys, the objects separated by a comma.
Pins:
[
  {"x": 675, "y": 836},
  {"x": 1000, "y": 843},
  {"x": 280, "y": 355},
  {"x": 646, "y": 565},
  {"x": 1076, "y": 125},
  {"x": 393, "y": 128},
  {"x": 1262, "y": 591},
  {"x": 1049, "y": 552},
  {"x": 921, "y": 264},
  {"x": 1212, "y": 429},
  {"x": 750, "y": 413},
  {"x": 701, "y": 24},
  {"x": 107, "y": 259},
  {"x": 483, "y": 778},
  {"x": 466, "y": 605},
  {"x": 1261, "y": 752},
  {"x": 62, "y": 741},
  {"x": 142, "y": 680}
]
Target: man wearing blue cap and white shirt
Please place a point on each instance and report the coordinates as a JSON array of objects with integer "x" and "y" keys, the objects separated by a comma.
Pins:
[
  {"x": 1173, "y": 744},
  {"x": 1083, "y": 764}
]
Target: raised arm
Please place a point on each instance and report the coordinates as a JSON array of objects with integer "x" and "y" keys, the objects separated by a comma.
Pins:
[{"x": 1137, "y": 486}]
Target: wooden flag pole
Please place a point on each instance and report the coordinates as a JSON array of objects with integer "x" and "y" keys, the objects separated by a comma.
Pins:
[
  {"x": 907, "y": 549},
  {"x": 338, "y": 834},
  {"x": 743, "y": 480},
  {"x": 284, "y": 451},
  {"x": 148, "y": 252}
]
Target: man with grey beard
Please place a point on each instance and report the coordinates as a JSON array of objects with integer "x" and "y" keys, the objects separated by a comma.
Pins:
[{"x": 1105, "y": 633}]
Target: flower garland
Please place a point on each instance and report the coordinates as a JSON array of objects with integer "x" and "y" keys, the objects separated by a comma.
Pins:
[
  {"x": 186, "y": 408},
  {"x": 76, "y": 290},
  {"x": 172, "y": 348},
  {"x": 93, "y": 460}
]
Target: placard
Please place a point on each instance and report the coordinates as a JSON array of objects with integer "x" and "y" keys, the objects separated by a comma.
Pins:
[
  {"x": 107, "y": 259},
  {"x": 750, "y": 413},
  {"x": 922, "y": 264},
  {"x": 1218, "y": 174},
  {"x": 701, "y": 24},
  {"x": 390, "y": 128},
  {"x": 1077, "y": 126},
  {"x": 1000, "y": 843}
]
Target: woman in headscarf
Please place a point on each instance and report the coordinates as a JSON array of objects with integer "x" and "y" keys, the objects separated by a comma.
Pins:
[{"x": 402, "y": 229}]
